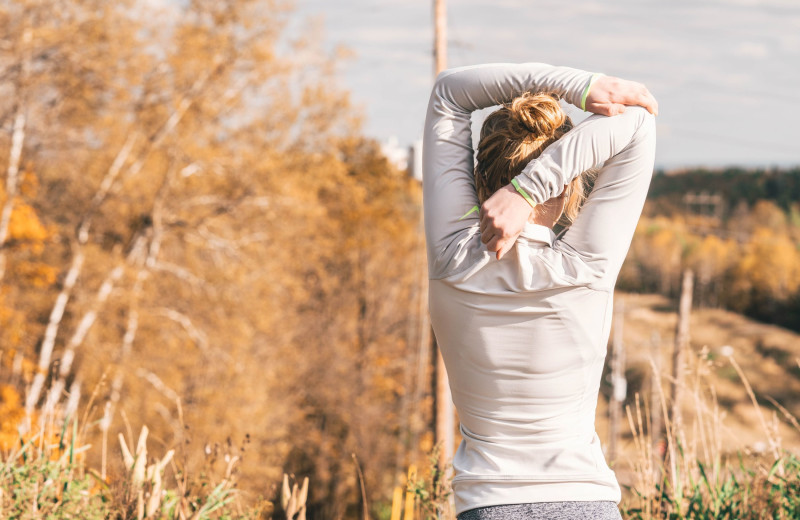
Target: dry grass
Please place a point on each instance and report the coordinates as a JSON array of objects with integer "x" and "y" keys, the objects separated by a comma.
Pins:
[
  {"x": 767, "y": 355},
  {"x": 733, "y": 455},
  {"x": 44, "y": 474},
  {"x": 729, "y": 455}
]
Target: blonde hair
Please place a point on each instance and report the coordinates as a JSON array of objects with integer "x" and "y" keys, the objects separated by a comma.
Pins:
[{"x": 516, "y": 134}]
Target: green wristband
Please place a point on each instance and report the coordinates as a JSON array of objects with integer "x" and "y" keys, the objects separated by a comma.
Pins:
[
  {"x": 523, "y": 193},
  {"x": 586, "y": 90},
  {"x": 470, "y": 212}
]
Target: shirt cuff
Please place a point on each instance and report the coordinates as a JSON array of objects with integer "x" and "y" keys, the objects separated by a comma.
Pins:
[
  {"x": 585, "y": 94},
  {"x": 522, "y": 192}
]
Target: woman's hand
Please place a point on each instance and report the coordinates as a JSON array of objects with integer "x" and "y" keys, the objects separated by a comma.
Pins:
[
  {"x": 609, "y": 96},
  {"x": 504, "y": 214}
]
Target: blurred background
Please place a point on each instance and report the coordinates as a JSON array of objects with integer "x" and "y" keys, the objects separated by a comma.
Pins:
[{"x": 210, "y": 226}]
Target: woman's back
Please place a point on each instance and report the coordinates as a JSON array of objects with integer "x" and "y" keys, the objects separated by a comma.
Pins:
[
  {"x": 524, "y": 350},
  {"x": 524, "y": 337}
]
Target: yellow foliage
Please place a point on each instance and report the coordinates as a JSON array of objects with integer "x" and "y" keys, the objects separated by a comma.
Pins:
[
  {"x": 11, "y": 415},
  {"x": 426, "y": 442},
  {"x": 271, "y": 230},
  {"x": 713, "y": 256},
  {"x": 37, "y": 274},
  {"x": 25, "y": 226},
  {"x": 753, "y": 260},
  {"x": 770, "y": 265},
  {"x": 27, "y": 367},
  {"x": 30, "y": 183},
  {"x": 767, "y": 214},
  {"x": 12, "y": 325}
]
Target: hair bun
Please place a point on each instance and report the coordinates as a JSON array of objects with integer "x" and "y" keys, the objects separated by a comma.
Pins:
[
  {"x": 513, "y": 136},
  {"x": 538, "y": 114}
]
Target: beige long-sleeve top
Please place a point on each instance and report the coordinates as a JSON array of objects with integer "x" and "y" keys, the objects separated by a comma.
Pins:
[{"x": 524, "y": 338}]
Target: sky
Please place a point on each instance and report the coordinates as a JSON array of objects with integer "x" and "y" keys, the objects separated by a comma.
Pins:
[{"x": 726, "y": 73}]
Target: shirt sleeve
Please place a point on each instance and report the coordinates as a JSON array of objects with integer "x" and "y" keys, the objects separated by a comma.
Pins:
[
  {"x": 623, "y": 147},
  {"x": 447, "y": 154}
]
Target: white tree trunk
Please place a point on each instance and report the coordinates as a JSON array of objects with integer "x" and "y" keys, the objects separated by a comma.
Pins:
[
  {"x": 105, "y": 187},
  {"x": 50, "y": 333},
  {"x": 101, "y": 195},
  {"x": 88, "y": 320},
  {"x": 12, "y": 183},
  {"x": 15, "y": 154}
]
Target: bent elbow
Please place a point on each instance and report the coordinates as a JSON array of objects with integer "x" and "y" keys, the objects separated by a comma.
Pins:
[{"x": 645, "y": 133}]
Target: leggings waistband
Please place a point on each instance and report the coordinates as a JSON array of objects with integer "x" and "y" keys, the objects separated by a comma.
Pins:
[{"x": 596, "y": 510}]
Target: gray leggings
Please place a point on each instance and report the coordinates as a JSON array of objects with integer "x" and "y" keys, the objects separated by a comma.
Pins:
[{"x": 601, "y": 510}]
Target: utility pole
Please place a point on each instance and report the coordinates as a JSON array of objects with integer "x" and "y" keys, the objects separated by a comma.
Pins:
[
  {"x": 680, "y": 348},
  {"x": 443, "y": 400},
  {"x": 440, "y": 35}
]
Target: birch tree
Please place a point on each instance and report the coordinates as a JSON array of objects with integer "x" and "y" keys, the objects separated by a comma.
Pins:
[{"x": 218, "y": 232}]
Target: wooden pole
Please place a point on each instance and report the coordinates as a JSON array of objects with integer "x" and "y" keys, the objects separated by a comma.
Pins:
[
  {"x": 445, "y": 419},
  {"x": 408, "y": 513},
  {"x": 681, "y": 345},
  {"x": 444, "y": 432},
  {"x": 397, "y": 503},
  {"x": 619, "y": 386},
  {"x": 440, "y": 37}
]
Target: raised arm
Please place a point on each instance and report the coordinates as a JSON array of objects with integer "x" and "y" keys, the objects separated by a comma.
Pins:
[
  {"x": 448, "y": 185},
  {"x": 587, "y": 146},
  {"x": 604, "y": 227},
  {"x": 504, "y": 214},
  {"x": 624, "y": 148}
]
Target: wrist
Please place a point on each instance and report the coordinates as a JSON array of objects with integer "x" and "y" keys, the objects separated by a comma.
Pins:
[
  {"x": 521, "y": 192},
  {"x": 586, "y": 90}
]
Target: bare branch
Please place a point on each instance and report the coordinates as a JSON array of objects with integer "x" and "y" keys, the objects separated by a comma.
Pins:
[
  {"x": 181, "y": 273},
  {"x": 158, "y": 384},
  {"x": 198, "y": 336},
  {"x": 214, "y": 242}
]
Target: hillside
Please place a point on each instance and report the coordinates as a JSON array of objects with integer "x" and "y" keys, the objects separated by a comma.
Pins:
[{"x": 768, "y": 355}]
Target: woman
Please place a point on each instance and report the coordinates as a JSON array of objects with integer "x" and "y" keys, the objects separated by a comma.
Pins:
[{"x": 523, "y": 332}]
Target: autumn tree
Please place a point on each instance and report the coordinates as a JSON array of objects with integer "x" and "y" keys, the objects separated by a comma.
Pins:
[
  {"x": 202, "y": 223},
  {"x": 746, "y": 261}
]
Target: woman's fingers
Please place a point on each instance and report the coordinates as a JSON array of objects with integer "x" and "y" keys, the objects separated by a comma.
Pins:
[
  {"x": 499, "y": 245},
  {"x": 487, "y": 235},
  {"x": 609, "y": 93},
  {"x": 606, "y": 109},
  {"x": 613, "y": 109},
  {"x": 506, "y": 246},
  {"x": 650, "y": 103},
  {"x": 493, "y": 244},
  {"x": 644, "y": 98},
  {"x": 503, "y": 216}
]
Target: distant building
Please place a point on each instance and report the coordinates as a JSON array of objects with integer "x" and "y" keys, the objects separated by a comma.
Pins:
[
  {"x": 396, "y": 155},
  {"x": 415, "y": 160}
]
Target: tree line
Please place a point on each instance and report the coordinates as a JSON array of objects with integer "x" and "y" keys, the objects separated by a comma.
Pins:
[
  {"x": 739, "y": 230},
  {"x": 735, "y": 185}
]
